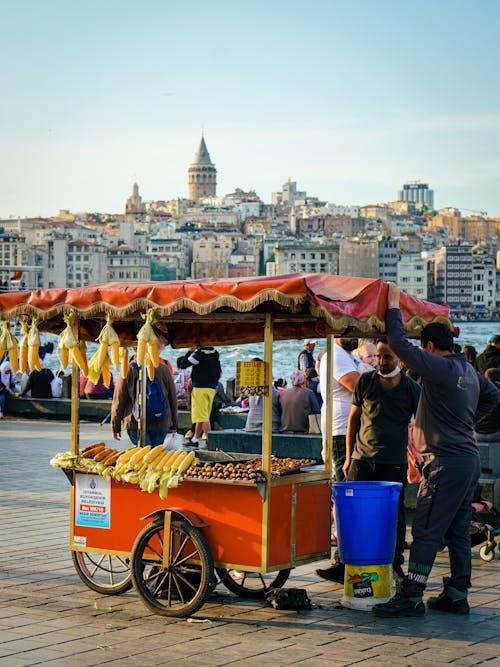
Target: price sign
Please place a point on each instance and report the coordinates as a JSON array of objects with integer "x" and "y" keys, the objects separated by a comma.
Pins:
[{"x": 252, "y": 378}]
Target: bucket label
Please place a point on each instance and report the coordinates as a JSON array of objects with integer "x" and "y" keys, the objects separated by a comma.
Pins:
[
  {"x": 367, "y": 581},
  {"x": 349, "y": 492}
]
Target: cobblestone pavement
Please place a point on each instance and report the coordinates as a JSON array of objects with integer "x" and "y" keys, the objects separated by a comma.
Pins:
[{"x": 47, "y": 616}]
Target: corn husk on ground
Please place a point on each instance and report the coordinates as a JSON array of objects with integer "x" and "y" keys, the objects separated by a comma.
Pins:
[{"x": 8, "y": 343}]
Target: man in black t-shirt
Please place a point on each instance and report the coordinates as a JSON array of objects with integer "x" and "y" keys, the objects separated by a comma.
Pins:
[{"x": 383, "y": 403}]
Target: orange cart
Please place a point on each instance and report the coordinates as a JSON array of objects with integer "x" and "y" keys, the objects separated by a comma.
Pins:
[{"x": 251, "y": 534}]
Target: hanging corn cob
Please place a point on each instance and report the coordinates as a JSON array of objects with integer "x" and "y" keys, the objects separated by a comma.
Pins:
[
  {"x": 34, "y": 346},
  {"x": 8, "y": 343},
  {"x": 147, "y": 341},
  {"x": 69, "y": 347},
  {"x": 123, "y": 351},
  {"x": 95, "y": 369},
  {"x": 23, "y": 347},
  {"x": 108, "y": 339}
]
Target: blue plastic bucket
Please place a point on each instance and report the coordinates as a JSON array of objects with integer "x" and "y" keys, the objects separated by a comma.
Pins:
[{"x": 366, "y": 516}]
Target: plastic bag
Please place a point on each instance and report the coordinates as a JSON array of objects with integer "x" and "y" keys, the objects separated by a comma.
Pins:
[{"x": 173, "y": 441}]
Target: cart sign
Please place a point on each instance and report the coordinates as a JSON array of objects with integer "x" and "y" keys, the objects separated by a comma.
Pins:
[
  {"x": 252, "y": 378},
  {"x": 92, "y": 501}
]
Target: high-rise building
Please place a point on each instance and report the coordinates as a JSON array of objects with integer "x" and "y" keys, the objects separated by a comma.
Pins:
[
  {"x": 202, "y": 174},
  {"x": 418, "y": 193},
  {"x": 453, "y": 276}
]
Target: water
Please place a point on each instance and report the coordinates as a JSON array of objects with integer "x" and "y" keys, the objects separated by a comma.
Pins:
[{"x": 285, "y": 353}]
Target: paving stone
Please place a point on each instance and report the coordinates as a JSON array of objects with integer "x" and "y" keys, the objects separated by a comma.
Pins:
[{"x": 47, "y": 614}]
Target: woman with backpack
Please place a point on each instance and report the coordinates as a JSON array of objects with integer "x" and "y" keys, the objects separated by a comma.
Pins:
[{"x": 161, "y": 406}]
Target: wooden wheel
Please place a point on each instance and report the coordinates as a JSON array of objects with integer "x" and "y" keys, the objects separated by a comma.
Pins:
[
  {"x": 180, "y": 587},
  {"x": 251, "y": 584},
  {"x": 103, "y": 573}
]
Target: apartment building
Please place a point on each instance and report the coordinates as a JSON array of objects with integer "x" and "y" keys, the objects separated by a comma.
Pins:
[
  {"x": 412, "y": 274},
  {"x": 299, "y": 257}
]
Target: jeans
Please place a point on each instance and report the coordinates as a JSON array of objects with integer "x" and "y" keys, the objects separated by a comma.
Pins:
[
  {"x": 154, "y": 436},
  {"x": 2, "y": 401},
  {"x": 338, "y": 456}
]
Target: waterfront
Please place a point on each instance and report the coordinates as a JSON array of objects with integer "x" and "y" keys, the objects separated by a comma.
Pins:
[{"x": 285, "y": 353}]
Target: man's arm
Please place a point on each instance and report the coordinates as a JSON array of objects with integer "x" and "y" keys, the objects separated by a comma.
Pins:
[
  {"x": 349, "y": 380},
  {"x": 353, "y": 424},
  {"x": 426, "y": 364}
]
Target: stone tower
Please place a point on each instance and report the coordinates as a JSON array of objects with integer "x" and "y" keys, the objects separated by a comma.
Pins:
[{"x": 202, "y": 174}]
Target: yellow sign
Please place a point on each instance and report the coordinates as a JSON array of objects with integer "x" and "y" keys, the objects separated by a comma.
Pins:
[{"x": 252, "y": 378}]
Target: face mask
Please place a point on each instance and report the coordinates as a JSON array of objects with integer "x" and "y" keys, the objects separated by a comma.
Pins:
[
  {"x": 348, "y": 344},
  {"x": 392, "y": 373}
]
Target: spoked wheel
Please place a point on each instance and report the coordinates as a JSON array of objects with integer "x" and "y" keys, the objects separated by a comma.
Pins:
[
  {"x": 251, "y": 584},
  {"x": 180, "y": 588},
  {"x": 103, "y": 573}
]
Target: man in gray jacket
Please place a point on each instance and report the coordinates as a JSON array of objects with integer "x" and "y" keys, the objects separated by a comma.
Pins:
[{"x": 453, "y": 395}]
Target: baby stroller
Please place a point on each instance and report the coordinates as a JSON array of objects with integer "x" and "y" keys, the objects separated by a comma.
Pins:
[{"x": 485, "y": 525}]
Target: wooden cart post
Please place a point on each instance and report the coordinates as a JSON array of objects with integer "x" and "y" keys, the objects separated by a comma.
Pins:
[{"x": 267, "y": 439}]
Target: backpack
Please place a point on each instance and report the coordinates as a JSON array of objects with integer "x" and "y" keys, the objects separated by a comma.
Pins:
[
  {"x": 156, "y": 403},
  {"x": 288, "y": 598}
]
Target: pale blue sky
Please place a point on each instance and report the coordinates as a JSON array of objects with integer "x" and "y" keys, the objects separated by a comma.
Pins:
[{"x": 349, "y": 98}]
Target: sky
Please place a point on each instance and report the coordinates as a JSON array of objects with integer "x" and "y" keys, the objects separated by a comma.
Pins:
[{"x": 349, "y": 98}]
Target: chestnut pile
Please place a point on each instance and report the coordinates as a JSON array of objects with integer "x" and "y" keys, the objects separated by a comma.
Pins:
[{"x": 245, "y": 471}]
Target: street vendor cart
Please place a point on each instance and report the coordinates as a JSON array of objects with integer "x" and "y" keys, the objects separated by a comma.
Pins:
[{"x": 250, "y": 528}]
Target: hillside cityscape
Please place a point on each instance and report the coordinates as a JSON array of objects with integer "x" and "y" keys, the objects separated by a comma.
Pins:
[{"x": 447, "y": 256}]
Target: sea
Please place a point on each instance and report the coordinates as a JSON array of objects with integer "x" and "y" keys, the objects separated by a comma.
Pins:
[{"x": 285, "y": 353}]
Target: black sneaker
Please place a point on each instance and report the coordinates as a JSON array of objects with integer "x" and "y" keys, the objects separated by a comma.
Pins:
[
  {"x": 444, "y": 603},
  {"x": 399, "y": 606},
  {"x": 333, "y": 573}
]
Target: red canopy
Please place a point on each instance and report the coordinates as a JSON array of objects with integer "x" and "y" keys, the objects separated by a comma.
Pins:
[{"x": 226, "y": 311}]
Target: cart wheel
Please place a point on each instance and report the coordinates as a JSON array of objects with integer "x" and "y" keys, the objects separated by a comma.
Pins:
[
  {"x": 104, "y": 573},
  {"x": 487, "y": 552},
  {"x": 251, "y": 584},
  {"x": 180, "y": 589}
]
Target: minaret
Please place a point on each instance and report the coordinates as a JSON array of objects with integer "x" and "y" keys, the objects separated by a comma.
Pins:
[{"x": 202, "y": 174}]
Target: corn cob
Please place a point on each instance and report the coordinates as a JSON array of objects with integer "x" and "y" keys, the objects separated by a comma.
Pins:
[
  {"x": 108, "y": 339},
  {"x": 152, "y": 454},
  {"x": 138, "y": 456},
  {"x": 34, "y": 346},
  {"x": 123, "y": 351},
  {"x": 23, "y": 347},
  {"x": 127, "y": 455},
  {"x": 9, "y": 342},
  {"x": 94, "y": 444},
  {"x": 100, "y": 456},
  {"x": 147, "y": 340},
  {"x": 90, "y": 453},
  {"x": 68, "y": 340}
]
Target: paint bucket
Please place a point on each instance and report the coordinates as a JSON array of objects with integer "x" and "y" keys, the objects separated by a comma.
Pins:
[{"x": 366, "y": 586}]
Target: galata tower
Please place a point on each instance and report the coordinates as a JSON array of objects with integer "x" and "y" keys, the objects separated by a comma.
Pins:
[{"x": 202, "y": 174}]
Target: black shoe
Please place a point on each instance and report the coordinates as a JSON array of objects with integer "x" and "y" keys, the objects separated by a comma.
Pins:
[
  {"x": 333, "y": 573},
  {"x": 399, "y": 606},
  {"x": 444, "y": 603}
]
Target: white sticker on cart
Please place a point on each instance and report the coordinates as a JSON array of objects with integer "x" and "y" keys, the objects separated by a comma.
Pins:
[
  {"x": 92, "y": 501},
  {"x": 79, "y": 541}
]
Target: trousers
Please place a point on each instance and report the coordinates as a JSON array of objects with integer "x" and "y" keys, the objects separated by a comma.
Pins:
[{"x": 443, "y": 511}]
